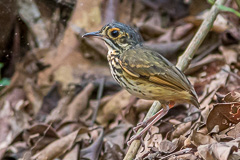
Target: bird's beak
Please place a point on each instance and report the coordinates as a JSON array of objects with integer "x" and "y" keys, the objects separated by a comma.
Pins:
[{"x": 93, "y": 34}]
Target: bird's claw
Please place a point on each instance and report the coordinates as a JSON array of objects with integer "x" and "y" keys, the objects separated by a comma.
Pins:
[{"x": 139, "y": 125}]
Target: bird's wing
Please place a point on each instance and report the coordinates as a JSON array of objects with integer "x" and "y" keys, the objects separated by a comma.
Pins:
[{"x": 148, "y": 64}]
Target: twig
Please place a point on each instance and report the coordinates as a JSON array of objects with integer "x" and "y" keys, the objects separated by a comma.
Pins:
[
  {"x": 205, "y": 27},
  {"x": 99, "y": 96},
  {"x": 110, "y": 13},
  {"x": 232, "y": 74},
  {"x": 186, "y": 150},
  {"x": 182, "y": 64}
]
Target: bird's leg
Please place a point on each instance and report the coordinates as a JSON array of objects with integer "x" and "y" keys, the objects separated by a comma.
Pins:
[
  {"x": 144, "y": 123},
  {"x": 156, "y": 118}
]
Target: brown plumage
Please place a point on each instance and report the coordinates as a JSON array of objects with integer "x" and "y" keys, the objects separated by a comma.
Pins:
[{"x": 142, "y": 71}]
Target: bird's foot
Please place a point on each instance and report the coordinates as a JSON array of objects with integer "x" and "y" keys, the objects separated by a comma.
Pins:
[
  {"x": 140, "y": 125},
  {"x": 138, "y": 136},
  {"x": 150, "y": 122}
]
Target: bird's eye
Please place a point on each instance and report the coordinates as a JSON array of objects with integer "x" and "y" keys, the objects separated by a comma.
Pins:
[{"x": 114, "y": 33}]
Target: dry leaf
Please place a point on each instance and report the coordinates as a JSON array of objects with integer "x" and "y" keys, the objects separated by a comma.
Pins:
[
  {"x": 181, "y": 130},
  {"x": 116, "y": 134},
  {"x": 230, "y": 55},
  {"x": 112, "y": 151},
  {"x": 219, "y": 151},
  {"x": 79, "y": 103},
  {"x": 233, "y": 96},
  {"x": 93, "y": 151},
  {"x": 224, "y": 115},
  {"x": 200, "y": 139},
  {"x": 113, "y": 107},
  {"x": 59, "y": 147},
  {"x": 235, "y": 132}
]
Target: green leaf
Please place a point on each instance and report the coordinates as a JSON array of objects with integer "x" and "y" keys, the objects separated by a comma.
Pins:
[
  {"x": 4, "y": 82},
  {"x": 227, "y": 9},
  {"x": 224, "y": 8}
]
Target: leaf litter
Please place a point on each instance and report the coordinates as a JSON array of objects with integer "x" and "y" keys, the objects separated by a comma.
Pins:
[{"x": 52, "y": 108}]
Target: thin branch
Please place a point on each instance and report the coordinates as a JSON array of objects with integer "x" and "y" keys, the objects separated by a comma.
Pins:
[
  {"x": 232, "y": 74},
  {"x": 99, "y": 96},
  {"x": 185, "y": 59},
  {"x": 182, "y": 64}
]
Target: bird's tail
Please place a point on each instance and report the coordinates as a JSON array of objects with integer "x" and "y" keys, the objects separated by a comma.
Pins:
[{"x": 195, "y": 102}]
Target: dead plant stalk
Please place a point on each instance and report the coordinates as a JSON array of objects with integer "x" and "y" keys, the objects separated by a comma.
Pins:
[{"x": 183, "y": 63}]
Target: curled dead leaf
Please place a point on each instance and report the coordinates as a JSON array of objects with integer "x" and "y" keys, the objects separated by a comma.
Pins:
[
  {"x": 167, "y": 146},
  {"x": 37, "y": 136},
  {"x": 201, "y": 139},
  {"x": 224, "y": 115},
  {"x": 60, "y": 146},
  {"x": 113, "y": 107},
  {"x": 93, "y": 151},
  {"x": 181, "y": 129},
  {"x": 79, "y": 103},
  {"x": 230, "y": 55}
]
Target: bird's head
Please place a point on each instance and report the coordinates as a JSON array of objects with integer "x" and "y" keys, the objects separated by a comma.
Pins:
[{"x": 117, "y": 36}]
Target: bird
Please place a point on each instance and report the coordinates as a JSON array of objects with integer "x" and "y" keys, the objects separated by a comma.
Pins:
[{"x": 144, "y": 72}]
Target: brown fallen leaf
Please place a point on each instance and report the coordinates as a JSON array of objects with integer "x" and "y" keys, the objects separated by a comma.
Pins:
[
  {"x": 16, "y": 118},
  {"x": 33, "y": 95},
  {"x": 37, "y": 136},
  {"x": 231, "y": 36},
  {"x": 230, "y": 55},
  {"x": 50, "y": 101},
  {"x": 66, "y": 61},
  {"x": 79, "y": 103},
  {"x": 73, "y": 154},
  {"x": 224, "y": 115},
  {"x": 167, "y": 146},
  {"x": 93, "y": 151},
  {"x": 219, "y": 151},
  {"x": 112, "y": 151},
  {"x": 209, "y": 91},
  {"x": 205, "y": 61},
  {"x": 59, "y": 147},
  {"x": 151, "y": 140},
  {"x": 200, "y": 139},
  {"x": 116, "y": 134},
  {"x": 149, "y": 31},
  {"x": 4, "y": 133},
  {"x": 183, "y": 157},
  {"x": 235, "y": 132},
  {"x": 168, "y": 50},
  {"x": 60, "y": 112},
  {"x": 233, "y": 96},
  {"x": 181, "y": 130},
  {"x": 217, "y": 27},
  {"x": 182, "y": 31},
  {"x": 113, "y": 107}
]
